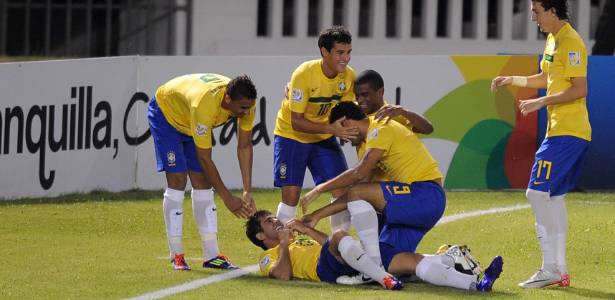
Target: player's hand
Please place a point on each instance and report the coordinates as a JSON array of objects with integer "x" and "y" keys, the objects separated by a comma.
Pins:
[
  {"x": 344, "y": 132},
  {"x": 296, "y": 225},
  {"x": 388, "y": 112},
  {"x": 309, "y": 198},
  {"x": 500, "y": 81},
  {"x": 236, "y": 205},
  {"x": 531, "y": 105},
  {"x": 249, "y": 202},
  {"x": 310, "y": 220},
  {"x": 284, "y": 235}
]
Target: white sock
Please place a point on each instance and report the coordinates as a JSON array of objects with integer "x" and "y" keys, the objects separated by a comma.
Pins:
[
  {"x": 172, "y": 208},
  {"x": 432, "y": 269},
  {"x": 340, "y": 220},
  {"x": 363, "y": 217},
  {"x": 355, "y": 256},
  {"x": 285, "y": 212},
  {"x": 558, "y": 206},
  {"x": 204, "y": 210},
  {"x": 545, "y": 227}
]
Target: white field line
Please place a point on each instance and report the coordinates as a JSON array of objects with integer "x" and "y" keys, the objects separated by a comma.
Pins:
[{"x": 252, "y": 268}]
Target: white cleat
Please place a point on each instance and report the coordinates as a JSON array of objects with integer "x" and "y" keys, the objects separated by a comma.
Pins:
[
  {"x": 354, "y": 280},
  {"x": 540, "y": 279}
]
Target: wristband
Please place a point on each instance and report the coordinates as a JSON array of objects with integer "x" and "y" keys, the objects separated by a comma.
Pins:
[{"x": 519, "y": 81}]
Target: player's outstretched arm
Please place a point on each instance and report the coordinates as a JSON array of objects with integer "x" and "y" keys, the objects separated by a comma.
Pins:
[
  {"x": 537, "y": 81},
  {"x": 234, "y": 204},
  {"x": 245, "y": 156},
  {"x": 577, "y": 90},
  {"x": 303, "y": 228},
  {"x": 419, "y": 123},
  {"x": 300, "y": 123}
]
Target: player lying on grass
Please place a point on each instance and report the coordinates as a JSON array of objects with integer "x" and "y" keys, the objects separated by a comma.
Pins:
[{"x": 315, "y": 256}]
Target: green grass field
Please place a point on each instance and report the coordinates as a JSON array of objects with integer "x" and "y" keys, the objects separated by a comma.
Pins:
[{"x": 104, "y": 245}]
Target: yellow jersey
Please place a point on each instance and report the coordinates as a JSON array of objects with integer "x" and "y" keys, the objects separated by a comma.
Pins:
[
  {"x": 192, "y": 105},
  {"x": 405, "y": 158},
  {"x": 313, "y": 94},
  {"x": 379, "y": 176},
  {"x": 304, "y": 254},
  {"x": 565, "y": 57}
]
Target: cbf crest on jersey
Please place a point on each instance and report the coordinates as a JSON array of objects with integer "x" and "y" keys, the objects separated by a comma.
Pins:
[
  {"x": 200, "y": 129},
  {"x": 171, "y": 159},
  {"x": 341, "y": 86},
  {"x": 574, "y": 58}
]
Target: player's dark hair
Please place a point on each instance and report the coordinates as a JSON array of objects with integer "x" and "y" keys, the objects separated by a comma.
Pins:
[
  {"x": 346, "y": 109},
  {"x": 241, "y": 87},
  {"x": 253, "y": 226},
  {"x": 336, "y": 34},
  {"x": 370, "y": 77},
  {"x": 560, "y": 7}
]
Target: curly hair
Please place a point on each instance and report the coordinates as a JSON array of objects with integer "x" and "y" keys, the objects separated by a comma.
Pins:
[
  {"x": 559, "y": 6},
  {"x": 241, "y": 87},
  {"x": 336, "y": 34}
]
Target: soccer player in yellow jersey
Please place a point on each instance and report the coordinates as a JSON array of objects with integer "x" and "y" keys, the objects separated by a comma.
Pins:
[
  {"x": 181, "y": 118},
  {"x": 317, "y": 257},
  {"x": 369, "y": 90},
  {"x": 558, "y": 160},
  {"x": 303, "y": 136},
  {"x": 412, "y": 201}
]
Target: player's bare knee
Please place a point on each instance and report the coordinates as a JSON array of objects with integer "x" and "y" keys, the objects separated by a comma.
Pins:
[
  {"x": 177, "y": 181},
  {"x": 335, "y": 239}
]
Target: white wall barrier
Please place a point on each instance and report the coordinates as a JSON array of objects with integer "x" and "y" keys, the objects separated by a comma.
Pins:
[{"x": 79, "y": 125}]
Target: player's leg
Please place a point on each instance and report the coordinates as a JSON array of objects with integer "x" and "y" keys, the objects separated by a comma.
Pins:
[
  {"x": 571, "y": 161},
  {"x": 342, "y": 245},
  {"x": 289, "y": 164},
  {"x": 555, "y": 169},
  {"x": 327, "y": 161},
  {"x": 170, "y": 159}
]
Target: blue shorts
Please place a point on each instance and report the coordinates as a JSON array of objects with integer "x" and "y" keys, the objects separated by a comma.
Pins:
[
  {"x": 410, "y": 212},
  {"x": 330, "y": 268},
  {"x": 175, "y": 151},
  {"x": 325, "y": 160},
  {"x": 557, "y": 165}
]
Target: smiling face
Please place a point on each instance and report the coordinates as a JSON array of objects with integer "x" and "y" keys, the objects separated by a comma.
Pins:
[
  {"x": 370, "y": 100},
  {"x": 545, "y": 19},
  {"x": 336, "y": 60}
]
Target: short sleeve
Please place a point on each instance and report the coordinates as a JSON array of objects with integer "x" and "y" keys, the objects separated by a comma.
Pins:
[
  {"x": 265, "y": 264},
  {"x": 574, "y": 58},
  {"x": 298, "y": 91},
  {"x": 379, "y": 138},
  {"x": 201, "y": 125}
]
